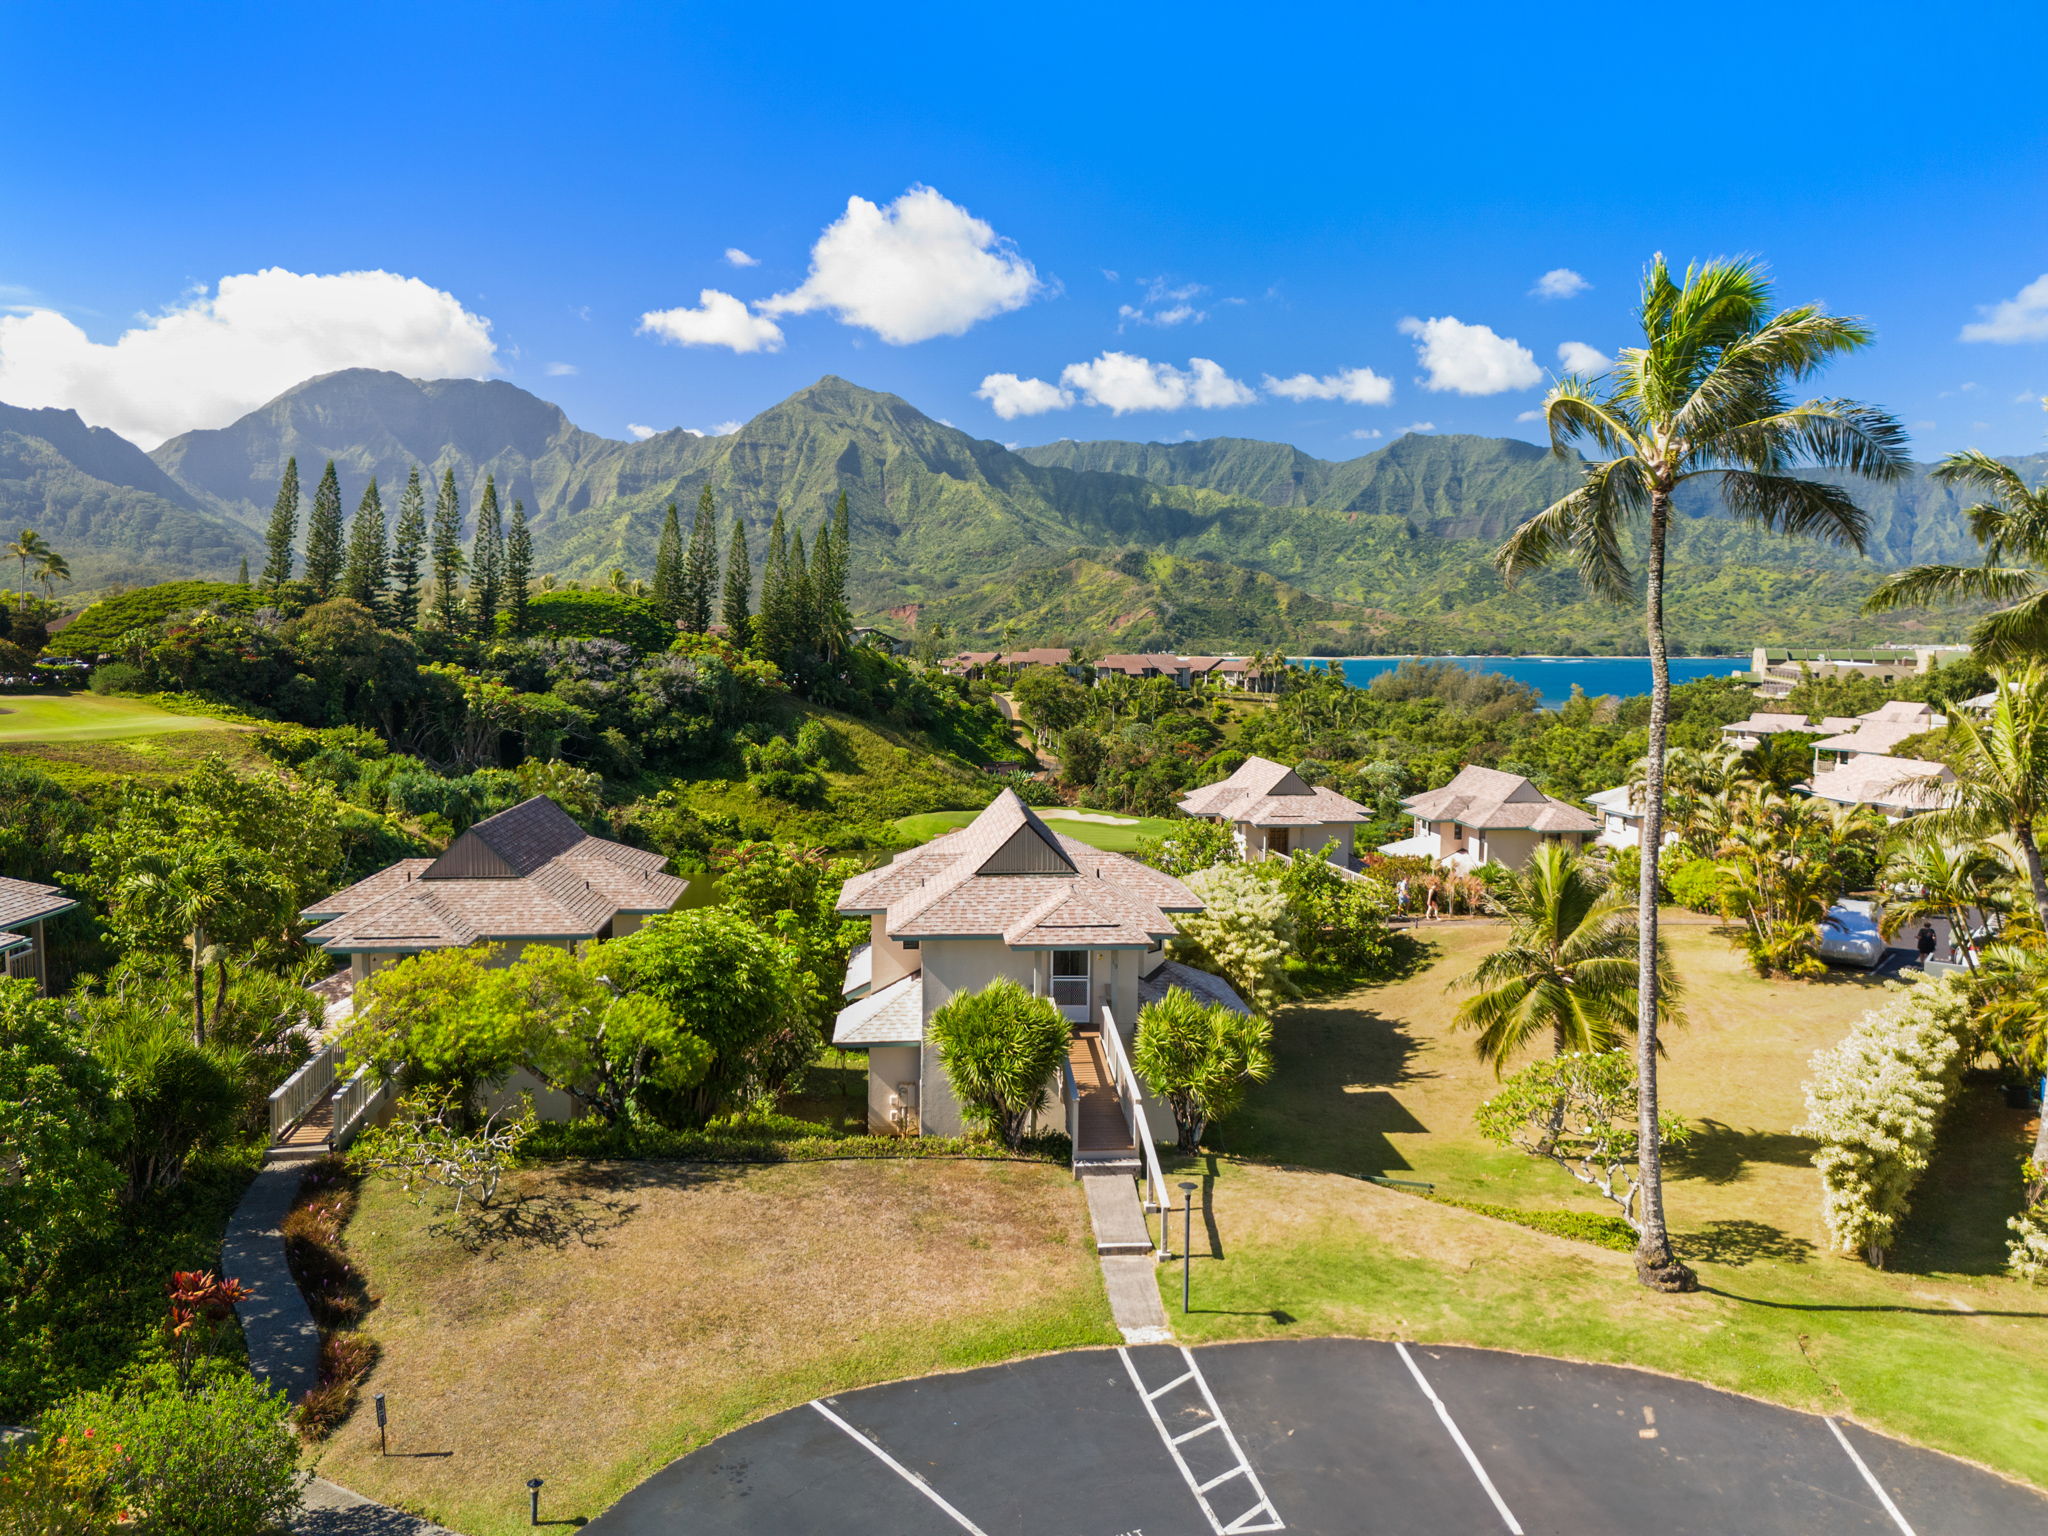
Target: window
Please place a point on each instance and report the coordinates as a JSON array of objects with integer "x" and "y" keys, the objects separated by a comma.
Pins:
[{"x": 1070, "y": 978}]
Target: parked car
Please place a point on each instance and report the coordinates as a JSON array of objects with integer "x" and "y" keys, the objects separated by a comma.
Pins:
[{"x": 1849, "y": 936}]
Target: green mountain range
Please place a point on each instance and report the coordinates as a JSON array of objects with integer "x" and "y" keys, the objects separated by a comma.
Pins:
[{"x": 1228, "y": 542}]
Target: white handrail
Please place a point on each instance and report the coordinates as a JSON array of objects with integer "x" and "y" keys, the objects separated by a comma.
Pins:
[
  {"x": 1128, "y": 1089},
  {"x": 301, "y": 1091},
  {"x": 360, "y": 1098},
  {"x": 1071, "y": 1092}
]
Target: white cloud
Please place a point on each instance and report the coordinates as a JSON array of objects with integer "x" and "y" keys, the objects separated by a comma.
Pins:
[
  {"x": 1365, "y": 434},
  {"x": 722, "y": 429},
  {"x": 919, "y": 268},
  {"x": 1559, "y": 283},
  {"x": 1921, "y": 426},
  {"x": 642, "y": 433},
  {"x": 736, "y": 257},
  {"x": 1126, "y": 383},
  {"x": 2024, "y": 317},
  {"x": 1170, "y": 305},
  {"x": 1470, "y": 359},
  {"x": 1420, "y": 426},
  {"x": 1529, "y": 416},
  {"x": 1010, "y": 397},
  {"x": 719, "y": 320},
  {"x": 1577, "y": 357},
  {"x": 209, "y": 359},
  {"x": 2026, "y": 397},
  {"x": 1360, "y": 386},
  {"x": 561, "y": 370}
]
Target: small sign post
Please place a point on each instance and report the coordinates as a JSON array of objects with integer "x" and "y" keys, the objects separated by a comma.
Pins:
[{"x": 382, "y": 1449}]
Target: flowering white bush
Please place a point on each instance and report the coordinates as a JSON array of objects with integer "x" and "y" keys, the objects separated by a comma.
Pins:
[
  {"x": 1875, "y": 1102},
  {"x": 1245, "y": 933},
  {"x": 2027, "y": 1253}
]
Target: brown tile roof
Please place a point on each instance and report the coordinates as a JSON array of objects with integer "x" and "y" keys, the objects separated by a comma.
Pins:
[
  {"x": 1486, "y": 799},
  {"x": 1206, "y": 986},
  {"x": 1873, "y": 736},
  {"x": 1269, "y": 794},
  {"x": 1007, "y": 875},
  {"x": 1134, "y": 662},
  {"x": 24, "y": 901},
  {"x": 527, "y": 873},
  {"x": 1043, "y": 656},
  {"x": 1766, "y": 723},
  {"x": 892, "y": 1016}
]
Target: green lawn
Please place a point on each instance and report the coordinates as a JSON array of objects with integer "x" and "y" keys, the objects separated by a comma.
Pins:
[
  {"x": 58, "y": 717},
  {"x": 1118, "y": 836},
  {"x": 1939, "y": 1348}
]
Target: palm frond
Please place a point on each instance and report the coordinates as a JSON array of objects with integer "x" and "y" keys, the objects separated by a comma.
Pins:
[
  {"x": 1788, "y": 504},
  {"x": 1923, "y": 586},
  {"x": 1826, "y": 434},
  {"x": 1980, "y": 471},
  {"x": 2014, "y": 633}
]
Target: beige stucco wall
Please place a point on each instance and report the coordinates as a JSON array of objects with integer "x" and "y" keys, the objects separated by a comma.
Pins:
[
  {"x": 952, "y": 966},
  {"x": 889, "y": 960},
  {"x": 548, "y": 1103},
  {"x": 889, "y": 1066}
]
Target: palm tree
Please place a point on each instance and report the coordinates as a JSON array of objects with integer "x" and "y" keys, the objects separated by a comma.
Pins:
[
  {"x": 2001, "y": 775},
  {"x": 1568, "y": 967},
  {"x": 31, "y": 546},
  {"x": 51, "y": 570},
  {"x": 2012, "y": 527},
  {"x": 1704, "y": 399},
  {"x": 1930, "y": 876}
]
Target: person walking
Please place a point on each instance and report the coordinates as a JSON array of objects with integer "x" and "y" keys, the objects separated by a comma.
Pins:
[
  {"x": 1926, "y": 944},
  {"x": 1401, "y": 897},
  {"x": 1430, "y": 913}
]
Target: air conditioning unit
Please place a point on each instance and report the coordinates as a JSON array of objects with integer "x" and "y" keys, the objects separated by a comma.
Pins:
[{"x": 903, "y": 1109}]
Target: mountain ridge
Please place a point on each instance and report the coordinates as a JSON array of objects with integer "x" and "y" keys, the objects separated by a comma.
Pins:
[{"x": 1391, "y": 548}]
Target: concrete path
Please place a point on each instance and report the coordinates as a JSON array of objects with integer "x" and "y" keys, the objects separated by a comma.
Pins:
[
  {"x": 284, "y": 1343},
  {"x": 331, "y": 1510}
]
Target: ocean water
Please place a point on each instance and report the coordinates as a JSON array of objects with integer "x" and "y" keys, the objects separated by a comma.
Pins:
[{"x": 1553, "y": 676}]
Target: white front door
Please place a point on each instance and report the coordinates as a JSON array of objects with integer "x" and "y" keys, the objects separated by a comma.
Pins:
[{"x": 1070, "y": 983}]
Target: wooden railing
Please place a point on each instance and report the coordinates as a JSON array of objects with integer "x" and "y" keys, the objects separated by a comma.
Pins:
[
  {"x": 366, "y": 1092},
  {"x": 1131, "y": 1096},
  {"x": 301, "y": 1091},
  {"x": 1071, "y": 1092}
]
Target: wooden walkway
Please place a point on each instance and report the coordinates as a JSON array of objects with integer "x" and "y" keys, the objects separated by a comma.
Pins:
[{"x": 1104, "y": 1137}]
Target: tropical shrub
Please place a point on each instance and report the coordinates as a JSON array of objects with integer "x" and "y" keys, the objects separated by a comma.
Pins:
[
  {"x": 1340, "y": 924},
  {"x": 2027, "y": 1252},
  {"x": 1245, "y": 932},
  {"x": 1875, "y": 1103},
  {"x": 598, "y": 616},
  {"x": 1189, "y": 846},
  {"x": 98, "y": 631},
  {"x": 1199, "y": 1056},
  {"x": 1000, "y": 1048},
  {"x": 1695, "y": 884},
  {"x": 117, "y": 677},
  {"x": 217, "y": 1460}
]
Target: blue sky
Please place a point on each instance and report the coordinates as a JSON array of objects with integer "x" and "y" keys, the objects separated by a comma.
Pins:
[{"x": 1290, "y": 195}]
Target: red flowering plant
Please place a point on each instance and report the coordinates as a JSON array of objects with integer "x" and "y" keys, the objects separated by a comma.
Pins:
[{"x": 200, "y": 1302}]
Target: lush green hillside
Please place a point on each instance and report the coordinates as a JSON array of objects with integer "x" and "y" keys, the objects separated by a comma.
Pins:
[
  {"x": 99, "y": 499},
  {"x": 1229, "y": 542}
]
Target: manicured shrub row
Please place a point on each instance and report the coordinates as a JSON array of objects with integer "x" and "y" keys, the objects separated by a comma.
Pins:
[
  {"x": 1579, "y": 1226},
  {"x": 777, "y": 1141},
  {"x": 335, "y": 1293}
]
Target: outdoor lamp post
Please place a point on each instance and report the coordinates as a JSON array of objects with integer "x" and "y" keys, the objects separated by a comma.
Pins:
[
  {"x": 382, "y": 1450},
  {"x": 1187, "y": 1241},
  {"x": 533, "y": 1487}
]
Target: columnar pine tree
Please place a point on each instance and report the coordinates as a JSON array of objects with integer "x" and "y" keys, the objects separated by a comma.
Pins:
[
  {"x": 284, "y": 527},
  {"x": 448, "y": 554},
  {"x": 773, "y": 626},
  {"x": 368, "y": 567},
  {"x": 408, "y": 552},
  {"x": 518, "y": 569},
  {"x": 736, "y": 611},
  {"x": 487, "y": 563},
  {"x": 242, "y": 579},
  {"x": 829, "y": 567},
  {"x": 668, "y": 568},
  {"x": 324, "y": 536},
  {"x": 700, "y": 567},
  {"x": 802, "y": 626}
]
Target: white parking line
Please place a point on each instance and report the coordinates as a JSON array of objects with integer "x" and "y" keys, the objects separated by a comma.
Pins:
[
  {"x": 1875, "y": 1486},
  {"x": 1471, "y": 1460},
  {"x": 902, "y": 1471},
  {"x": 1248, "y": 1521}
]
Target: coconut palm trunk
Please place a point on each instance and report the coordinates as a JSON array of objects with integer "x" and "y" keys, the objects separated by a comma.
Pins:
[{"x": 1655, "y": 1262}]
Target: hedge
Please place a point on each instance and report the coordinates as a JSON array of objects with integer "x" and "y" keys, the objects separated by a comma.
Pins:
[{"x": 100, "y": 625}]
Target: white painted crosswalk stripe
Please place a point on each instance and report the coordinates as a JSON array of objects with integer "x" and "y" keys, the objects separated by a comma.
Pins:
[
  {"x": 1471, "y": 1458},
  {"x": 1262, "y": 1516}
]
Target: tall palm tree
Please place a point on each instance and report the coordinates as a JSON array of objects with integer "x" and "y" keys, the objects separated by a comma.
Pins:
[
  {"x": 29, "y": 547},
  {"x": 1568, "y": 968},
  {"x": 2012, "y": 527},
  {"x": 1703, "y": 399},
  {"x": 50, "y": 570},
  {"x": 2001, "y": 775}
]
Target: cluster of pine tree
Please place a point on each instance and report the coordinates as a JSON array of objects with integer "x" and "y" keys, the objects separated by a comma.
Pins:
[
  {"x": 802, "y": 616},
  {"x": 410, "y": 574}
]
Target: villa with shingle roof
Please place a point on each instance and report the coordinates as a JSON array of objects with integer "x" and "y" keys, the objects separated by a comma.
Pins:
[
  {"x": 1896, "y": 787},
  {"x": 1485, "y": 816},
  {"x": 1272, "y": 809},
  {"x": 1004, "y": 896},
  {"x": 1877, "y": 733},
  {"x": 24, "y": 907},
  {"x": 529, "y": 875}
]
